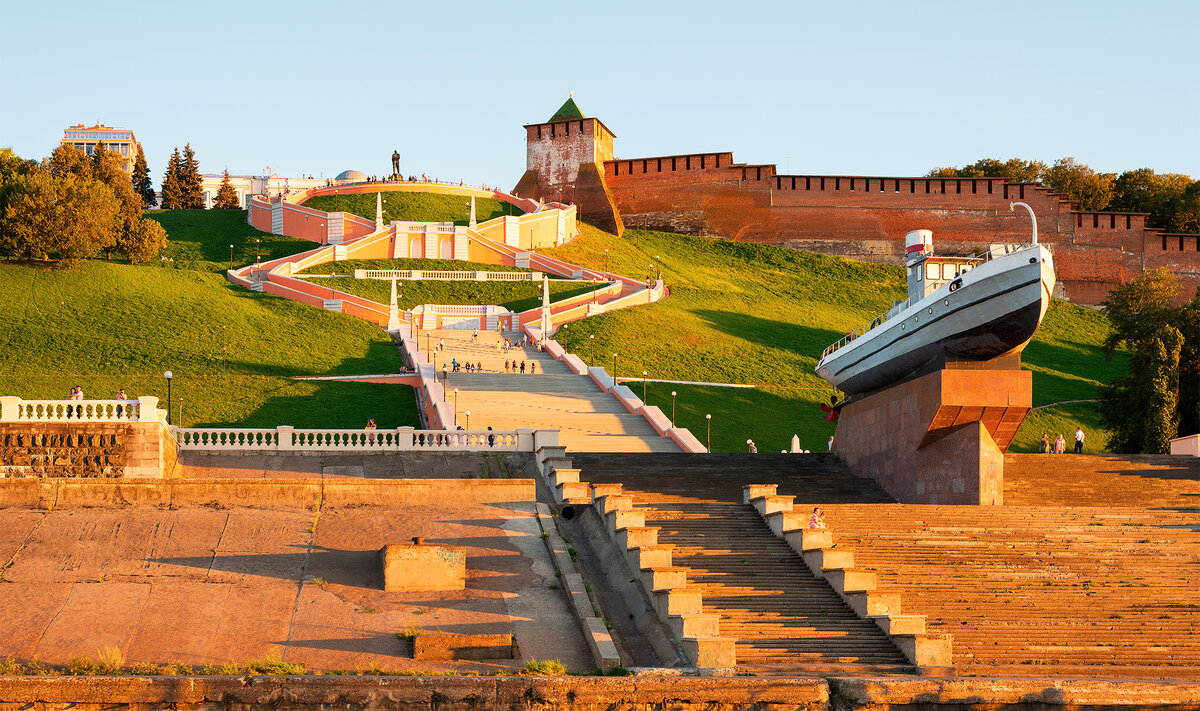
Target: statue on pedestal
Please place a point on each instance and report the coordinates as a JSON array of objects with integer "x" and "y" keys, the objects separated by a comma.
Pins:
[{"x": 395, "y": 164}]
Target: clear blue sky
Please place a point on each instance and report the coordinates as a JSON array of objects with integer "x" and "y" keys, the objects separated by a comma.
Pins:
[{"x": 865, "y": 87}]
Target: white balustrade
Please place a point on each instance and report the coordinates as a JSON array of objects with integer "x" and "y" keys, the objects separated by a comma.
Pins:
[
  {"x": 13, "y": 409},
  {"x": 402, "y": 439},
  {"x": 422, "y": 274}
]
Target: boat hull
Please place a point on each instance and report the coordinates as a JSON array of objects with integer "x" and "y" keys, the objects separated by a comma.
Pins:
[{"x": 996, "y": 311}]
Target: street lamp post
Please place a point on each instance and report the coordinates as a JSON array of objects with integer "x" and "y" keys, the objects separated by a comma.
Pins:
[
  {"x": 231, "y": 257},
  {"x": 673, "y": 394},
  {"x": 708, "y": 420},
  {"x": 468, "y": 419},
  {"x": 257, "y": 242},
  {"x": 456, "y": 405},
  {"x": 614, "y": 369},
  {"x": 606, "y": 264},
  {"x": 644, "y": 386},
  {"x": 181, "y": 412},
  {"x": 168, "y": 375},
  {"x": 592, "y": 349}
]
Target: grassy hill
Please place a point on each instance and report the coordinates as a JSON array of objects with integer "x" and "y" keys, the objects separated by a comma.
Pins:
[
  {"x": 415, "y": 207},
  {"x": 233, "y": 352},
  {"x": 738, "y": 313},
  {"x": 761, "y": 315},
  {"x": 515, "y": 296}
]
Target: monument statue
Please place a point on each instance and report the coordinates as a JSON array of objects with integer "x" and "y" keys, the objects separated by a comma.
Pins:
[{"x": 395, "y": 164}]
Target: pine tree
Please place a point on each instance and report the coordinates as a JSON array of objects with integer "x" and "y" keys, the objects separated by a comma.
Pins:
[
  {"x": 191, "y": 184},
  {"x": 142, "y": 185},
  {"x": 226, "y": 195},
  {"x": 172, "y": 197}
]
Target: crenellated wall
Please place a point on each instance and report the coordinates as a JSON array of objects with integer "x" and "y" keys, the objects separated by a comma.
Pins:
[{"x": 866, "y": 217}]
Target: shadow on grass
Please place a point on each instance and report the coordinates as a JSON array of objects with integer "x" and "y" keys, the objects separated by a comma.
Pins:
[{"x": 801, "y": 340}]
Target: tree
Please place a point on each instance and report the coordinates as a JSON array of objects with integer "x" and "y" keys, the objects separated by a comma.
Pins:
[
  {"x": 68, "y": 160},
  {"x": 190, "y": 182},
  {"x": 108, "y": 168},
  {"x": 1144, "y": 409},
  {"x": 1143, "y": 190},
  {"x": 1185, "y": 212},
  {"x": 1013, "y": 170},
  {"x": 1090, "y": 190},
  {"x": 226, "y": 196},
  {"x": 144, "y": 241},
  {"x": 65, "y": 216},
  {"x": 172, "y": 191},
  {"x": 142, "y": 185}
]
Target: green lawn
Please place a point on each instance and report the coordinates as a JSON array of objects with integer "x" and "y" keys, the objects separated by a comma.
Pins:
[
  {"x": 105, "y": 326},
  {"x": 761, "y": 315},
  {"x": 200, "y": 239},
  {"x": 415, "y": 207}
]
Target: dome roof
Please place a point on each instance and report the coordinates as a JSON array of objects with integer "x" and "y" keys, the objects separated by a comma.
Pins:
[{"x": 352, "y": 176}]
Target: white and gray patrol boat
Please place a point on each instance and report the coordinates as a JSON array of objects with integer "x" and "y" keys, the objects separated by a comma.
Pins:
[{"x": 958, "y": 308}]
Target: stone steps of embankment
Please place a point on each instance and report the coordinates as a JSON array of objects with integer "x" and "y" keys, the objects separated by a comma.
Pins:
[
  {"x": 779, "y": 612},
  {"x": 1087, "y": 570}
]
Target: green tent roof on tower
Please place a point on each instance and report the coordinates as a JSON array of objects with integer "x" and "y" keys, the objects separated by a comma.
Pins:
[{"x": 567, "y": 112}]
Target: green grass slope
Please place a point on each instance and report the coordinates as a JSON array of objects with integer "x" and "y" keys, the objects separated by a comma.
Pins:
[
  {"x": 200, "y": 240},
  {"x": 762, "y": 315},
  {"x": 415, "y": 207},
  {"x": 233, "y": 352}
]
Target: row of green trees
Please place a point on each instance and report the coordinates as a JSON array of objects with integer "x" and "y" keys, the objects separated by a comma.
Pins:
[
  {"x": 73, "y": 206},
  {"x": 1160, "y": 397},
  {"x": 182, "y": 185},
  {"x": 1172, "y": 199}
]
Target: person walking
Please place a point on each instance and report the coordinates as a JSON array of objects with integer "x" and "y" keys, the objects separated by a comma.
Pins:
[
  {"x": 371, "y": 426},
  {"x": 522, "y": 367},
  {"x": 1044, "y": 445},
  {"x": 1060, "y": 445},
  {"x": 532, "y": 367},
  {"x": 750, "y": 444},
  {"x": 829, "y": 447},
  {"x": 1078, "y": 439}
]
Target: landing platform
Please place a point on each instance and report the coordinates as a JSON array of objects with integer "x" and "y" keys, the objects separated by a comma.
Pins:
[{"x": 205, "y": 583}]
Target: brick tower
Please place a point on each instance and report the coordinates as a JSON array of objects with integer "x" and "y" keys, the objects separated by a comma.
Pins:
[{"x": 565, "y": 163}]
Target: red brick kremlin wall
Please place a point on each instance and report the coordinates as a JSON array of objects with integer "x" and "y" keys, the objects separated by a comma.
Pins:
[{"x": 866, "y": 217}]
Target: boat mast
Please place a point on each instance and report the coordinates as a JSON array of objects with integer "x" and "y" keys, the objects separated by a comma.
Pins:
[{"x": 1032, "y": 216}]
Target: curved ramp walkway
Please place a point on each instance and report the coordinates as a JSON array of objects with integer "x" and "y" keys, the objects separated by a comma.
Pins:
[{"x": 588, "y": 418}]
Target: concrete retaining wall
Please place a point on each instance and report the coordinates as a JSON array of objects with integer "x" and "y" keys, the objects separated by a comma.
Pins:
[
  {"x": 675, "y": 692},
  {"x": 65, "y": 493}
]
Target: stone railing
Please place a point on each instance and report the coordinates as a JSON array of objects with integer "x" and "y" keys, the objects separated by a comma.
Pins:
[
  {"x": 402, "y": 439},
  {"x": 425, "y": 274},
  {"x": 14, "y": 409}
]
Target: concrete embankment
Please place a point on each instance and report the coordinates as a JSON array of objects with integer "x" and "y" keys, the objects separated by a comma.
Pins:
[{"x": 638, "y": 692}]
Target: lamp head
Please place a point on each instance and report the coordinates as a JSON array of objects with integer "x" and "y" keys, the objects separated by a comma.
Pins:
[
  {"x": 167, "y": 375},
  {"x": 672, "y": 393}
]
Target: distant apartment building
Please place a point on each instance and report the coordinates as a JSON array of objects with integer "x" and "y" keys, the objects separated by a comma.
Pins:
[{"x": 116, "y": 140}]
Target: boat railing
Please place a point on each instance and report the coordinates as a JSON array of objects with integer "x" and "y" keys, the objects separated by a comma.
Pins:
[{"x": 900, "y": 306}]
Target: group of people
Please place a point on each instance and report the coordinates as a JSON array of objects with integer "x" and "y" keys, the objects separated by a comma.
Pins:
[
  {"x": 1059, "y": 445},
  {"x": 76, "y": 394},
  {"x": 468, "y": 366},
  {"x": 511, "y": 367}
]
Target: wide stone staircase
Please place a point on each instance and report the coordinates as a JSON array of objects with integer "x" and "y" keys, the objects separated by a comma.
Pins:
[
  {"x": 588, "y": 418},
  {"x": 1089, "y": 569},
  {"x": 785, "y": 619}
]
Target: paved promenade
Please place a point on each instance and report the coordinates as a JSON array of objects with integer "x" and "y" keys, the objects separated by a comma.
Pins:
[{"x": 590, "y": 420}]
